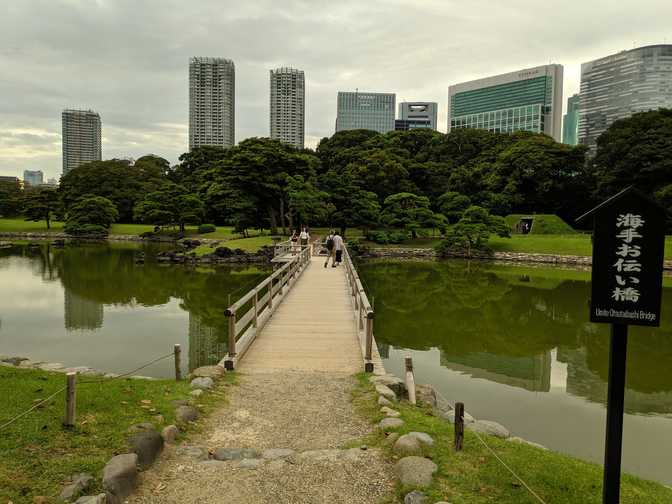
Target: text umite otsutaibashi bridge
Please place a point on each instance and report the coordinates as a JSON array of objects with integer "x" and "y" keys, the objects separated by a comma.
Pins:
[{"x": 303, "y": 317}]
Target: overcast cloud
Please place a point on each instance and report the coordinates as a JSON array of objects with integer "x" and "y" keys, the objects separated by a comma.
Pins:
[{"x": 128, "y": 59}]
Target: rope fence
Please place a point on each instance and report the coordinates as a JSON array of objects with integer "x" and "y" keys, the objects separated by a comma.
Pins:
[{"x": 71, "y": 384}]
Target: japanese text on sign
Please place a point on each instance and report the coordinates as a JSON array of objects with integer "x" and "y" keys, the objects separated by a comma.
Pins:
[{"x": 628, "y": 263}]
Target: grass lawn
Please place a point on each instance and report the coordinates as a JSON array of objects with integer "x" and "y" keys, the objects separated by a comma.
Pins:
[
  {"x": 39, "y": 455},
  {"x": 474, "y": 476},
  {"x": 19, "y": 225}
]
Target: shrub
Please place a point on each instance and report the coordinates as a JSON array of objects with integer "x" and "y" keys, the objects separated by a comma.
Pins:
[
  {"x": 75, "y": 228},
  {"x": 380, "y": 237},
  {"x": 397, "y": 237},
  {"x": 355, "y": 247},
  {"x": 206, "y": 228}
]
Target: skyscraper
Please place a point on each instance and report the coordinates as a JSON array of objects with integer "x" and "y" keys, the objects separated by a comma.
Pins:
[
  {"x": 288, "y": 96},
  {"x": 619, "y": 85},
  {"x": 527, "y": 100},
  {"x": 372, "y": 111},
  {"x": 81, "y": 138},
  {"x": 414, "y": 115},
  {"x": 33, "y": 177},
  {"x": 570, "y": 121},
  {"x": 211, "y": 102}
]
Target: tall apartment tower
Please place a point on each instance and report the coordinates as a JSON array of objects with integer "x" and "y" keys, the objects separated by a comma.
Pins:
[
  {"x": 211, "y": 102},
  {"x": 414, "y": 115},
  {"x": 570, "y": 121},
  {"x": 81, "y": 138},
  {"x": 619, "y": 85},
  {"x": 33, "y": 178},
  {"x": 372, "y": 111},
  {"x": 526, "y": 100},
  {"x": 288, "y": 109}
]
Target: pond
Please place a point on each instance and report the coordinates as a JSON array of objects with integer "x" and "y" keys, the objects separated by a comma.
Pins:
[
  {"x": 515, "y": 345},
  {"x": 97, "y": 305}
]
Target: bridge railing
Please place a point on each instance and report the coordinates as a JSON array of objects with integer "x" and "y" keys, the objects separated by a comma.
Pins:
[
  {"x": 364, "y": 312},
  {"x": 249, "y": 314},
  {"x": 282, "y": 248}
]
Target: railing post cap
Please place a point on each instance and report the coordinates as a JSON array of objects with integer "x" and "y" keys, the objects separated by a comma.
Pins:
[
  {"x": 229, "y": 312},
  {"x": 370, "y": 315}
]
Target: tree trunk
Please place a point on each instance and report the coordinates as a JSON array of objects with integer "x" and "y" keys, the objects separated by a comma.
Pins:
[
  {"x": 273, "y": 220},
  {"x": 282, "y": 215},
  {"x": 343, "y": 228},
  {"x": 47, "y": 219}
]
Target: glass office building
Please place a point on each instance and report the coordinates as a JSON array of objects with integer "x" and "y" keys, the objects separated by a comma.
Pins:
[
  {"x": 527, "y": 100},
  {"x": 619, "y": 85},
  {"x": 570, "y": 121},
  {"x": 372, "y": 111}
]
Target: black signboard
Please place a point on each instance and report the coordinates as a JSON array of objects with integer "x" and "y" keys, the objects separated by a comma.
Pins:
[{"x": 628, "y": 250}]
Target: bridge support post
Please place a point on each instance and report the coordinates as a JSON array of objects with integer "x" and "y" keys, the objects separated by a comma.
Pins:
[{"x": 368, "y": 367}]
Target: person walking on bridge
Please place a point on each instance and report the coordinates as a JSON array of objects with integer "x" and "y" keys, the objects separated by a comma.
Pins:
[
  {"x": 329, "y": 245},
  {"x": 338, "y": 249},
  {"x": 304, "y": 237}
]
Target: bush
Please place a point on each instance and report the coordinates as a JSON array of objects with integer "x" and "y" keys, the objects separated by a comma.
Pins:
[
  {"x": 206, "y": 228},
  {"x": 75, "y": 228},
  {"x": 379, "y": 237},
  {"x": 397, "y": 237},
  {"x": 355, "y": 247}
]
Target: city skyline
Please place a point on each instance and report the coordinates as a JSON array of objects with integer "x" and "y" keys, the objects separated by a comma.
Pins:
[{"x": 138, "y": 83}]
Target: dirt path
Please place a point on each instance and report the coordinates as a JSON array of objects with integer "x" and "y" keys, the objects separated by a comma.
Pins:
[{"x": 309, "y": 413}]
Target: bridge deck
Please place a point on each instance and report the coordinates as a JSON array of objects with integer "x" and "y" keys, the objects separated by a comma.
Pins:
[{"x": 314, "y": 329}]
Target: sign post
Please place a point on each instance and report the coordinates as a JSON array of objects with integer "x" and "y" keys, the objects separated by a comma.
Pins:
[{"x": 627, "y": 277}]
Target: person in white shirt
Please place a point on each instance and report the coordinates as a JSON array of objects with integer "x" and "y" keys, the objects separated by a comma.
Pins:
[
  {"x": 329, "y": 245},
  {"x": 304, "y": 237},
  {"x": 338, "y": 249}
]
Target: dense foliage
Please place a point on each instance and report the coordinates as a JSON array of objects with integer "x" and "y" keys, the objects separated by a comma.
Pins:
[{"x": 90, "y": 215}]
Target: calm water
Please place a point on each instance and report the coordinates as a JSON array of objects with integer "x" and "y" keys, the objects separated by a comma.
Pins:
[
  {"x": 514, "y": 345},
  {"x": 94, "y": 306}
]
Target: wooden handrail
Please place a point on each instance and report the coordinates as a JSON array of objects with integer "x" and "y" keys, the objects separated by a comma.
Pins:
[{"x": 243, "y": 327}]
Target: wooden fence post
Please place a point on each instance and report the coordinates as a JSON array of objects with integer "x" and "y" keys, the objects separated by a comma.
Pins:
[
  {"x": 70, "y": 400},
  {"x": 178, "y": 371},
  {"x": 232, "y": 334},
  {"x": 459, "y": 425},
  {"x": 410, "y": 380},
  {"x": 256, "y": 308}
]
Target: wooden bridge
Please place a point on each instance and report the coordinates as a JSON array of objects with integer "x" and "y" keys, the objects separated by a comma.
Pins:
[{"x": 303, "y": 317}]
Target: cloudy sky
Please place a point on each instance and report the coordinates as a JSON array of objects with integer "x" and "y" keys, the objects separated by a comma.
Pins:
[{"x": 128, "y": 59}]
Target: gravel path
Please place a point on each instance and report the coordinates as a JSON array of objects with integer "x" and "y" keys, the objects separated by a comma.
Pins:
[{"x": 307, "y": 412}]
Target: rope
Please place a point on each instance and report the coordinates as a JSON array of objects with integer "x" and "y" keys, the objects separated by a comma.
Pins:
[
  {"x": 107, "y": 380},
  {"x": 20, "y": 415}
]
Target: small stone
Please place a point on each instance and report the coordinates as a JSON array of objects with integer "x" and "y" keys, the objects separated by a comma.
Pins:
[
  {"x": 141, "y": 427},
  {"x": 92, "y": 499},
  {"x": 147, "y": 445},
  {"x": 390, "y": 423},
  {"x": 202, "y": 383},
  {"x": 382, "y": 401},
  {"x": 386, "y": 392},
  {"x": 415, "y": 497},
  {"x": 235, "y": 453},
  {"x": 407, "y": 445},
  {"x": 14, "y": 361},
  {"x": 520, "y": 440},
  {"x": 415, "y": 471},
  {"x": 213, "y": 372},
  {"x": 491, "y": 428},
  {"x": 275, "y": 453},
  {"x": 159, "y": 419},
  {"x": 120, "y": 477},
  {"x": 192, "y": 452},
  {"x": 250, "y": 463},
  {"x": 450, "y": 416},
  {"x": 186, "y": 414},
  {"x": 396, "y": 384},
  {"x": 426, "y": 394},
  {"x": 391, "y": 438},
  {"x": 169, "y": 434},
  {"x": 51, "y": 366},
  {"x": 389, "y": 412},
  {"x": 79, "y": 484},
  {"x": 423, "y": 438},
  {"x": 196, "y": 393}
]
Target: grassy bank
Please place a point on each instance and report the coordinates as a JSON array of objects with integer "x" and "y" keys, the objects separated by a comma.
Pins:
[
  {"x": 39, "y": 454},
  {"x": 474, "y": 476}
]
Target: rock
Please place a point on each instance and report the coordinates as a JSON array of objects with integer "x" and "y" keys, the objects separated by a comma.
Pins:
[
  {"x": 423, "y": 438},
  {"x": 235, "y": 453},
  {"x": 426, "y": 394},
  {"x": 450, "y": 416},
  {"x": 407, "y": 445},
  {"x": 159, "y": 419},
  {"x": 276, "y": 465},
  {"x": 250, "y": 463},
  {"x": 520, "y": 440},
  {"x": 147, "y": 445},
  {"x": 120, "y": 477},
  {"x": 92, "y": 499},
  {"x": 386, "y": 392},
  {"x": 276, "y": 453},
  {"x": 384, "y": 402},
  {"x": 29, "y": 363},
  {"x": 14, "y": 361},
  {"x": 51, "y": 366},
  {"x": 202, "y": 383},
  {"x": 389, "y": 412},
  {"x": 391, "y": 438},
  {"x": 415, "y": 471},
  {"x": 491, "y": 428},
  {"x": 415, "y": 497},
  {"x": 79, "y": 484},
  {"x": 180, "y": 402},
  {"x": 397, "y": 385},
  {"x": 186, "y": 414},
  {"x": 208, "y": 372},
  {"x": 169, "y": 434},
  {"x": 390, "y": 423},
  {"x": 193, "y": 452},
  {"x": 141, "y": 427},
  {"x": 196, "y": 393}
]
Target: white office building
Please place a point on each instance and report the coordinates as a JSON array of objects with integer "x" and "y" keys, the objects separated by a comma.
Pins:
[
  {"x": 359, "y": 110},
  {"x": 414, "y": 115},
  {"x": 288, "y": 109}
]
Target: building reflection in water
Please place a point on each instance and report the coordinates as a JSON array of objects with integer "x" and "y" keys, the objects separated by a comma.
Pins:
[
  {"x": 207, "y": 344},
  {"x": 82, "y": 313}
]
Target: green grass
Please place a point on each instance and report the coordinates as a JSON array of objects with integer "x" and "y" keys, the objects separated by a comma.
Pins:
[
  {"x": 18, "y": 225},
  {"x": 474, "y": 476},
  {"x": 543, "y": 224},
  {"x": 38, "y": 454}
]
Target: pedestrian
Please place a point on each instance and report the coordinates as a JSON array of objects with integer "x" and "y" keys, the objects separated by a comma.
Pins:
[
  {"x": 338, "y": 249},
  {"x": 304, "y": 237},
  {"x": 329, "y": 245},
  {"x": 294, "y": 241}
]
